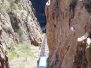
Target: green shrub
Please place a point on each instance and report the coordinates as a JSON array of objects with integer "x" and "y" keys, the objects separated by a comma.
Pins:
[
  {"x": 13, "y": 55},
  {"x": 89, "y": 50},
  {"x": 0, "y": 5},
  {"x": 22, "y": 65},
  {"x": 17, "y": 1},
  {"x": 19, "y": 51},
  {"x": 85, "y": 63},
  {"x": 20, "y": 32},
  {"x": 22, "y": 14},
  {"x": 88, "y": 5},
  {"x": 12, "y": 5},
  {"x": 19, "y": 6}
]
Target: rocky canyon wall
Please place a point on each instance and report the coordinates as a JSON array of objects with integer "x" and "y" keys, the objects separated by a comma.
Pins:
[
  {"x": 68, "y": 32},
  {"x": 18, "y": 24}
]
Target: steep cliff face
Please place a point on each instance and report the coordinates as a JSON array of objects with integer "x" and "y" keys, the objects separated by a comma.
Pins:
[
  {"x": 19, "y": 21},
  {"x": 3, "y": 57},
  {"x": 18, "y": 24},
  {"x": 68, "y": 27}
]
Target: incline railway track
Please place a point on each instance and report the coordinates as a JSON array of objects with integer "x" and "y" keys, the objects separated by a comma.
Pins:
[{"x": 42, "y": 60}]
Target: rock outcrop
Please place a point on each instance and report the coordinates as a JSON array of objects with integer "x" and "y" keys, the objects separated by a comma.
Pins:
[
  {"x": 3, "y": 56},
  {"x": 18, "y": 24},
  {"x": 68, "y": 27}
]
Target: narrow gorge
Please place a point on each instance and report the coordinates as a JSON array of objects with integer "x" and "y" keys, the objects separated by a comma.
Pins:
[{"x": 67, "y": 24}]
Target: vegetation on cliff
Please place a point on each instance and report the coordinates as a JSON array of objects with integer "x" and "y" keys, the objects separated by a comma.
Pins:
[{"x": 19, "y": 30}]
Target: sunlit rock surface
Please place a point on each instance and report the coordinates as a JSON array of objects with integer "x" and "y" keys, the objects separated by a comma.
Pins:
[
  {"x": 68, "y": 20},
  {"x": 18, "y": 24}
]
